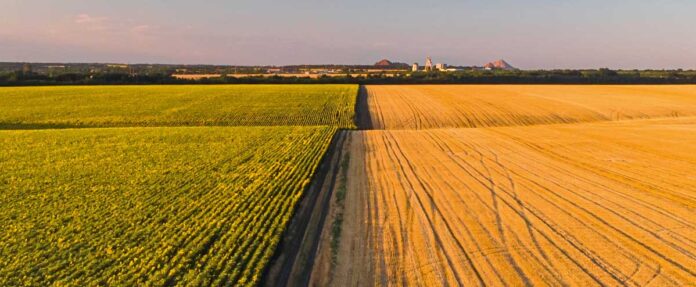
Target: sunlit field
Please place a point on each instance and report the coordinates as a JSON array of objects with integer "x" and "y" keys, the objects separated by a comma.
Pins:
[{"x": 212, "y": 105}]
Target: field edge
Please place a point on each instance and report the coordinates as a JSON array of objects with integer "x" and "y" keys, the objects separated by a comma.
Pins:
[{"x": 300, "y": 238}]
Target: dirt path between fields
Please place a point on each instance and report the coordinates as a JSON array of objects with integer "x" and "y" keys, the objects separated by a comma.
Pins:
[
  {"x": 293, "y": 262},
  {"x": 362, "y": 110}
]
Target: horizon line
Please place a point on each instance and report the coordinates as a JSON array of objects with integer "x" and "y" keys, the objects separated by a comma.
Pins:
[{"x": 324, "y": 64}]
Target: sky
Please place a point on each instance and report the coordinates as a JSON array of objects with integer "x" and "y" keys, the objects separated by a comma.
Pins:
[{"x": 529, "y": 34}]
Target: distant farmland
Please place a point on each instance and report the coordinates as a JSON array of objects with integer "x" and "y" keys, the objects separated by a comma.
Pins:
[
  {"x": 466, "y": 106},
  {"x": 283, "y": 75},
  {"x": 215, "y": 105},
  {"x": 244, "y": 185}
]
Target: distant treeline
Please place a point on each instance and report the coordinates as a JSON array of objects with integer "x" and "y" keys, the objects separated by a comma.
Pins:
[{"x": 473, "y": 76}]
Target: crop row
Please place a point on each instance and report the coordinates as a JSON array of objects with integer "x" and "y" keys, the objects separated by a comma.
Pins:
[
  {"x": 149, "y": 206},
  {"x": 177, "y": 105}
]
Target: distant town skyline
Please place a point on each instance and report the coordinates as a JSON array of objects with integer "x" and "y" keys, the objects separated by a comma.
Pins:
[{"x": 536, "y": 34}]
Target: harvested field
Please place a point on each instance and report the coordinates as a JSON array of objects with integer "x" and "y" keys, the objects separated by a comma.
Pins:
[
  {"x": 465, "y": 106},
  {"x": 608, "y": 203}
]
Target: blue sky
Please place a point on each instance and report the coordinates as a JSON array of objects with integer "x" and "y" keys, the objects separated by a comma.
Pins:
[{"x": 529, "y": 34}]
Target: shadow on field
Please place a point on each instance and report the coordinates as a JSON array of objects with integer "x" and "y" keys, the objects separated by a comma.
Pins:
[
  {"x": 22, "y": 126},
  {"x": 362, "y": 110}
]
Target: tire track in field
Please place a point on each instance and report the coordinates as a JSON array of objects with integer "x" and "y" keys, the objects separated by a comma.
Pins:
[
  {"x": 388, "y": 138},
  {"x": 625, "y": 197},
  {"x": 493, "y": 208},
  {"x": 467, "y": 106},
  {"x": 464, "y": 225},
  {"x": 612, "y": 271},
  {"x": 549, "y": 266},
  {"x": 622, "y": 177},
  {"x": 483, "y": 183},
  {"x": 499, "y": 220},
  {"x": 604, "y": 236},
  {"x": 682, "y": 250}
]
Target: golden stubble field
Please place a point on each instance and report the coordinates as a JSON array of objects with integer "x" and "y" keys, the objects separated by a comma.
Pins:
[
  {"x": 466, "y": 106},
  {"x": 583, "y": 204}
]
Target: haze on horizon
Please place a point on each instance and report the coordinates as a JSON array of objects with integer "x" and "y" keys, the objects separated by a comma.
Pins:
[{"x": 535, "y": 34}]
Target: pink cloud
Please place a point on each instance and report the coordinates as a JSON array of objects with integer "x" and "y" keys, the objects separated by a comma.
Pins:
[
  {"x": 141, "y": 29},
  {"x": 87, "y": 19}
]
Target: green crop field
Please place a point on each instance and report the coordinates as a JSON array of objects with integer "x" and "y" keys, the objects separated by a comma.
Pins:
[
  {"x": 177, "y": 105},
  {"x": 149, "y": 206},
  {"x": 156, "y": 185}
]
